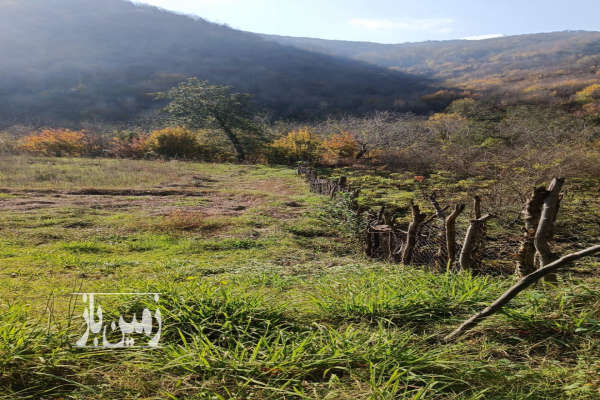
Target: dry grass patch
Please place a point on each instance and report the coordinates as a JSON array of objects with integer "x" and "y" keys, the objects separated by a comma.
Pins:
[{"x": 181, "y": 220}]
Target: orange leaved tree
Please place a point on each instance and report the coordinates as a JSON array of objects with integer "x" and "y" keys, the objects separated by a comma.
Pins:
[{"x": 340, "y": 149}]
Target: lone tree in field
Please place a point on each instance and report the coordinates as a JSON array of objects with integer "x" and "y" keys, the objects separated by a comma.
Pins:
[{"x": 197, "y": 104}]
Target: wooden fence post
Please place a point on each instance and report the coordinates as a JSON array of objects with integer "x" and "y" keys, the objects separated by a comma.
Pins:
[
  {"x": 531, "y": 214},
  {"x": 411, "y": 234},
  {"x": 450, "y": 224},
  {"x": 473, "y": 238},
  {"x": 440, "y": 259},
  {"x": 545, "y": 229}
]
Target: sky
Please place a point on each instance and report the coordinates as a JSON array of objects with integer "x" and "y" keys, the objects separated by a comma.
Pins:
[{"x": 394, "y": 21}]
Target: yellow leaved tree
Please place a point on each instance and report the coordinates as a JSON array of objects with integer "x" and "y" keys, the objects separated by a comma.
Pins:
[{"x": 297, "y": 145}]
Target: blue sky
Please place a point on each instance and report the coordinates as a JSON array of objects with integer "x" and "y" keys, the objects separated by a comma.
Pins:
[{"x": 394, "y": 21}]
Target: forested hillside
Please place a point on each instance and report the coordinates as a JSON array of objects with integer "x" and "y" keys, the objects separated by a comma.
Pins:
[{"x": 73, "y": 60}]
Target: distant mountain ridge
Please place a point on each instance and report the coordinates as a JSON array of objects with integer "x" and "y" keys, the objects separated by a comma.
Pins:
[
  {"x": 537, "y": 66},
  {"x": 430, "y": 56}
]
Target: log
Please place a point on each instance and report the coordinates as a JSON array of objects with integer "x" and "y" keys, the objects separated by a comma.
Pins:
[{"x": 523, "y": 284}]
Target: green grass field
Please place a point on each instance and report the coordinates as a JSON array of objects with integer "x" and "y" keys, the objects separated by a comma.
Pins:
[{"x": 264, "y": 295}]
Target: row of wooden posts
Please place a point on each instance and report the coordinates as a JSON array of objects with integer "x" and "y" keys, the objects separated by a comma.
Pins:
[
  {"x": 535, "y": 258},
  {"x": 428, "y": 239},
  {"x": 329, "y": 187}
]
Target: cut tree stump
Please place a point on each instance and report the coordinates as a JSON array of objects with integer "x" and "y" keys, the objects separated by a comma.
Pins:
[{"x": 545, "y": 229}]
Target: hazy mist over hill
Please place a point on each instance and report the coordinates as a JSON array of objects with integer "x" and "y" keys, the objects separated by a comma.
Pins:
[
  {"x": 455, "y": 58},
  {"x": 85, "y": 59},
  {"x": 88, "y": 60}
]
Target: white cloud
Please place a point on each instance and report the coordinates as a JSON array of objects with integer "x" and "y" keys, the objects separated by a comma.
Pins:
[
  {"x": 483, "y": 37},
  {"x": 442, "y": 25}
]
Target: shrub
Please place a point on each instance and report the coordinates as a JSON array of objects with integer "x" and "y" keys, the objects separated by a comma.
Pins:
[
  {"x": 447, "y": 126},
  {"x": 589, "y": 94},
  {"x": 174, "y": 142},
  {"x": 8, "y": 143},
  {"x": 55, "y": 142},
  {"x": 132, "y": 146},
  {"x": 298, "y": 145}
]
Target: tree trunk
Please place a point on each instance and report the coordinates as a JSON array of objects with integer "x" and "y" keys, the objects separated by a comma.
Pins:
[
  {"x": 545, "y": 229},
  {"x": 531, "y": 212},
  {"x": 411, "y": 234},
  {"x": 450, "y": 224},
  {"x": 239, "y": 149},
  {"x": 518, "y": 288},
  {"x": 363, "y": 150},
  {"x": 467, "y": 255},
  {"x": 477, "y": 207}
]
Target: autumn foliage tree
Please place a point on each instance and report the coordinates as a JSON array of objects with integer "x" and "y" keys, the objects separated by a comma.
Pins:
[
  {"x": 297, "y": 145},
  {"x": 55, "y": 142},
  {"x": 340, "y": 149}
]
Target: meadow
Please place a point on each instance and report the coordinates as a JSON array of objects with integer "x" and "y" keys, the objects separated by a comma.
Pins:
[{"x": 264, "y": 295}]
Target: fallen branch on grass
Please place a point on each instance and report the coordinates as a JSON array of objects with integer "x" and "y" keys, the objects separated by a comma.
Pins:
[{"x": 518, "y": 288}]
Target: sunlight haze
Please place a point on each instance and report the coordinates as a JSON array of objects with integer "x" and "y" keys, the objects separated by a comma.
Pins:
[{"x": 388, "y": 21}]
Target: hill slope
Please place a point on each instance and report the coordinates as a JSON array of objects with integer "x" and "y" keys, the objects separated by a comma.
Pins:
[
  {"x": 78, "y": 60},
  {"x": 542, "y": 66}
]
